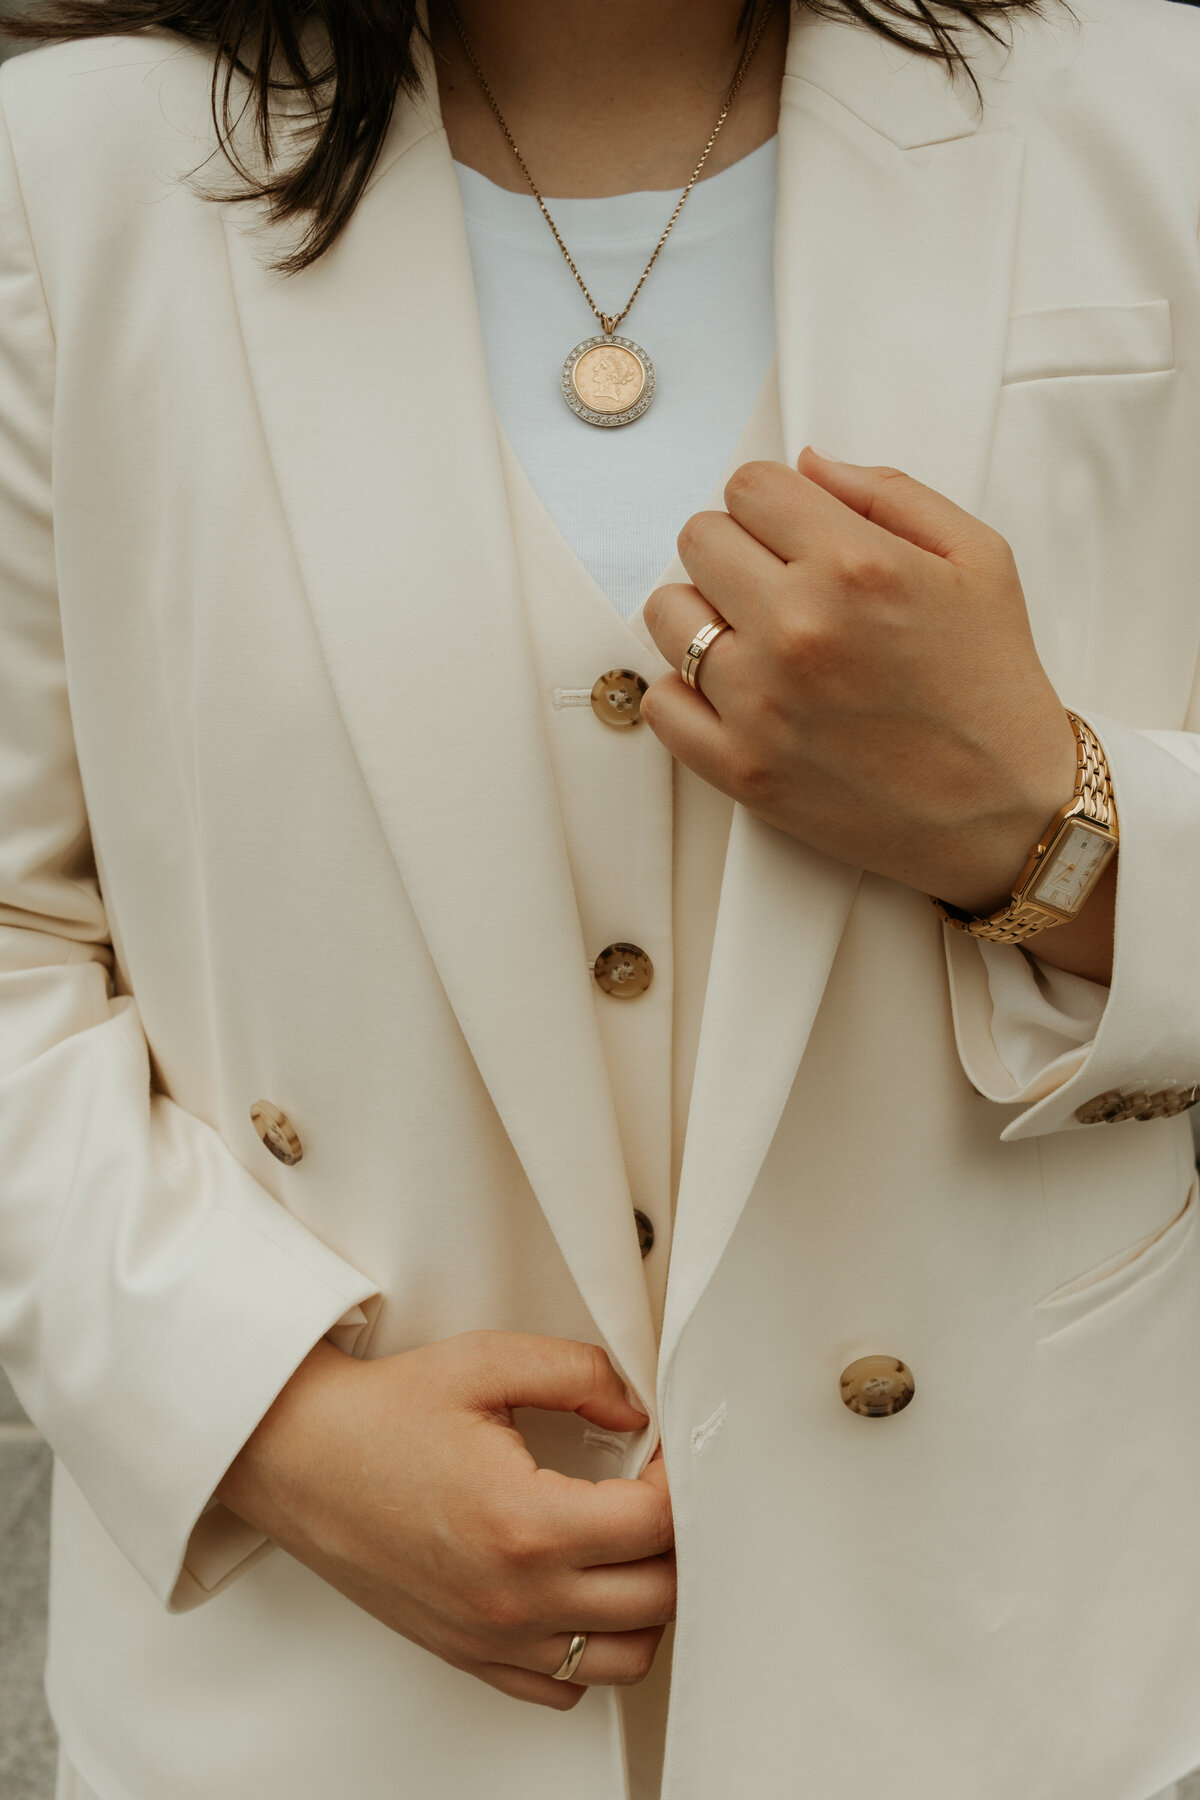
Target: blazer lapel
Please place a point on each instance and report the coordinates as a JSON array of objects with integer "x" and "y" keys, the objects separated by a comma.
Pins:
[
  {"x": 895, "y": 236},
  {"x": 373, "y": 388}
]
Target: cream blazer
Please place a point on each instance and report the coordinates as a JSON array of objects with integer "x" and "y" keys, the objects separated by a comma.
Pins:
[{"x": 277, "y": 821}]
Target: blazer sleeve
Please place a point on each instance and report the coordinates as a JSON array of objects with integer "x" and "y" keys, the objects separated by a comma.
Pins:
[
  {"x": 1142, "y": 1056},
  {"x": 154, "y": 1297}
]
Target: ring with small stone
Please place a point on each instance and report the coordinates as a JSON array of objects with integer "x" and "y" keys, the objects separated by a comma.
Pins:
[{"x": 693, "y": 656}]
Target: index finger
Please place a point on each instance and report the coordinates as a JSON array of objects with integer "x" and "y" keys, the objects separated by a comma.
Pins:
[
  {"x": 788, "y": 513},
  {"x": 612, "y": 1521}
]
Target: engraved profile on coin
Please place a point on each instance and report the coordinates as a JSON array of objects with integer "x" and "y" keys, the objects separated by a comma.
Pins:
[{"x": 609, "y": 379}]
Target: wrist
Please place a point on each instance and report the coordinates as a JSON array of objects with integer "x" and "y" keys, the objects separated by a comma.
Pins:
[
  {"x": 986, "y": 884},
  {"x": 270, "y": 1465},
  {"x": 1004, "y": 839},
  {"x": 1065, "y": 865}
]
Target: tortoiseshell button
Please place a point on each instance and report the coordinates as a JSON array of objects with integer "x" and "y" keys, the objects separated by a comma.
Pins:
[
  {"x": 1169, "y": 1102},
  {"x": 645, "y": 1231},
  {"x": 276, "y": 1131},
  {"x": 617, "y": 698},
  {"x": 1104, "y": 1109},
  {"x": 877, "y": 1386},
  {"x": 1114, "y": 1107},
  {"x": 623, "y": 970}
]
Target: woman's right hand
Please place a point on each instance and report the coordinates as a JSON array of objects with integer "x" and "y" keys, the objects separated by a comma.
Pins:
[{"x": 405, "y": 1484}]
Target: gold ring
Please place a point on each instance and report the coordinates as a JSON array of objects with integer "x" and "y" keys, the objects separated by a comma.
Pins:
[
  {"x": 573, "y": 1657},
  {"x": 694, "y": 654}
]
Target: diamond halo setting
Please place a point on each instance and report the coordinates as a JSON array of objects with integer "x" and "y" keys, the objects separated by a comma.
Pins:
[{"x": 608, "y": 381}]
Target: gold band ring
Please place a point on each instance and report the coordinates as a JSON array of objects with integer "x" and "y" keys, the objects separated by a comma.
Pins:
[
  {"x": 573, "y": 1657},
  {"x": 694, "y": 654}
]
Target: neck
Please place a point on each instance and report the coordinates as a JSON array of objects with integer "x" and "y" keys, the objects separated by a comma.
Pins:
[{"x": 604, "y": 96}]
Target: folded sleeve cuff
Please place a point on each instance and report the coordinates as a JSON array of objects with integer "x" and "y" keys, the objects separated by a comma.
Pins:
[
  {"x": 221, "y": 1546},
  {"x": 1032, "y": 1037},
  {"x": 1023, "y": 1028},
  {"x": 191, "y": 1546}
]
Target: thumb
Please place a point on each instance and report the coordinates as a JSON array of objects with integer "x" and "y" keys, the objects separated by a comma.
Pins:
[
  {"x": 893, "y": 500},
  {"x": 557, "y": 1374}
]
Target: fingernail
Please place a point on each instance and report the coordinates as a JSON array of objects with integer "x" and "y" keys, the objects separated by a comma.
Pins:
[{"x": 823, "y": 454}]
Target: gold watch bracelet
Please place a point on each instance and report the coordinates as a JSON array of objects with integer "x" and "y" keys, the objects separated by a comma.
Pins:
[{"x": 1091, "y": 803}]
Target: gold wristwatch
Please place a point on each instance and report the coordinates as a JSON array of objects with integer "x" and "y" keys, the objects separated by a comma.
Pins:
[{"x": 1066, "y": 862}]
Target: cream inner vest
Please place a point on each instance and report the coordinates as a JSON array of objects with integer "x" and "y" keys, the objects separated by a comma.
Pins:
[
  {"x": 646, "y": 840},
  {"x": 645, "y": 837}
]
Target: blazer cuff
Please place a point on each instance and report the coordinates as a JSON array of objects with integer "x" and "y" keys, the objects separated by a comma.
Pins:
[
  {"x": 221, "y": 1546},
  {"x": 1146, "y": 1043},
  {"x": 192, "y": 1546},
  {"x": 1023, "y": 1028}
]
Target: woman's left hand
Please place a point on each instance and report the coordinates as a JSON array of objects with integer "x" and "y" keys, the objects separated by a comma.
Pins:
[{"x": 879, "y": 695}]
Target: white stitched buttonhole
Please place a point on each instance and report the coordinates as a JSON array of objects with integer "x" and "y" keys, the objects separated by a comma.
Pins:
[
  {"x": 607, "y": 1441},
  {"x": 704, "y": 1434}
]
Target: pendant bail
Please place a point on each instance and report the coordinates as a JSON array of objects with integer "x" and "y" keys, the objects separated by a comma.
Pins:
[{"x": 609, "y": 322}]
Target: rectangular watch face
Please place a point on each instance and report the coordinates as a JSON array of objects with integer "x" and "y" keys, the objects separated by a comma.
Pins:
[{"x": 1073, "y": 864}]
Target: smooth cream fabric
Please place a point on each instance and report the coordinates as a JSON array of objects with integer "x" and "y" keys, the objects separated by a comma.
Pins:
[
  {"x": 647, "y": 840},
  {"x": 70, "y": 1786},
  {"x": 268, "y": 673}
]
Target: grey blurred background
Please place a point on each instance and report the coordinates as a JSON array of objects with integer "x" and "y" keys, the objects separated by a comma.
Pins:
[{"x": 27, "y": 1740}]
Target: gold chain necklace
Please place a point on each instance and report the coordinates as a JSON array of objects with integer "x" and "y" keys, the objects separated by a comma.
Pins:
[{"x": 610, "y": 380}]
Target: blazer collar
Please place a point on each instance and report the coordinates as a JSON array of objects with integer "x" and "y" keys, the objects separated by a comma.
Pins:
[
  {"x": 907, "y": 99},
  {"x": 894, "y": 242},
  {"x": 372, "y": 383}
]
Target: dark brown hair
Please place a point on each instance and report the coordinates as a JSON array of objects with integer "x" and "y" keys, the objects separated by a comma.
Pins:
[{"x": 369, "y": 45}]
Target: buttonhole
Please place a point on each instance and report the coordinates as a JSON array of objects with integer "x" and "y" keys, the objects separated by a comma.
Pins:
[
  {"x": 704, "y": 1434},
  {"x": 607, "y": 1441}
]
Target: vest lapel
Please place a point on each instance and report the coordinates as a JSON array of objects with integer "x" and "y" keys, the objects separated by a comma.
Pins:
[
  {"x": 372, "y": 384},
  {"x": 895, "y": 234}
]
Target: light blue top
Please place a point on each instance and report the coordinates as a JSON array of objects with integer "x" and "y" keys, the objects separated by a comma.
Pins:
[{"x": 706, "y": 318}]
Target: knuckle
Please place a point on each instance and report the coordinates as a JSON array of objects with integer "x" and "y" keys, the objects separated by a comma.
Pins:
[
  {"x": 745, "y": 478},
  {"x": 518, "y": 1543},
  {"x": 794, "y": 642},
  {"x": 1002, "y": 552},
  {"x": 860, "y": 569},
  {"x": 755, "y": 776},
  {"x": 502, "y": 1612},
  {"x": 652, "y": 610},
  {"x": 634, "y": 1661},
  {"x": 593, "y": 1367},
  {"x": 689, "y": 534},
  {"x": 813, "y": 654},
  {"x": 660, "y": 1537},
  {"x": 664, "y": 1539}
]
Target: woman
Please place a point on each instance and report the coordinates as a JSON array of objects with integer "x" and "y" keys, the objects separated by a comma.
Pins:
[{"x": 428, "y": 910}]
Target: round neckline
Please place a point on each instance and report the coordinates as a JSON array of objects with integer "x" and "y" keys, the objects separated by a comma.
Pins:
[{"x": 487, "y": 204}]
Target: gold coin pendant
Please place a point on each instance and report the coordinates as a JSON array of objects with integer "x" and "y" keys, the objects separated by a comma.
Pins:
[{"x": 608, "y": 381}]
